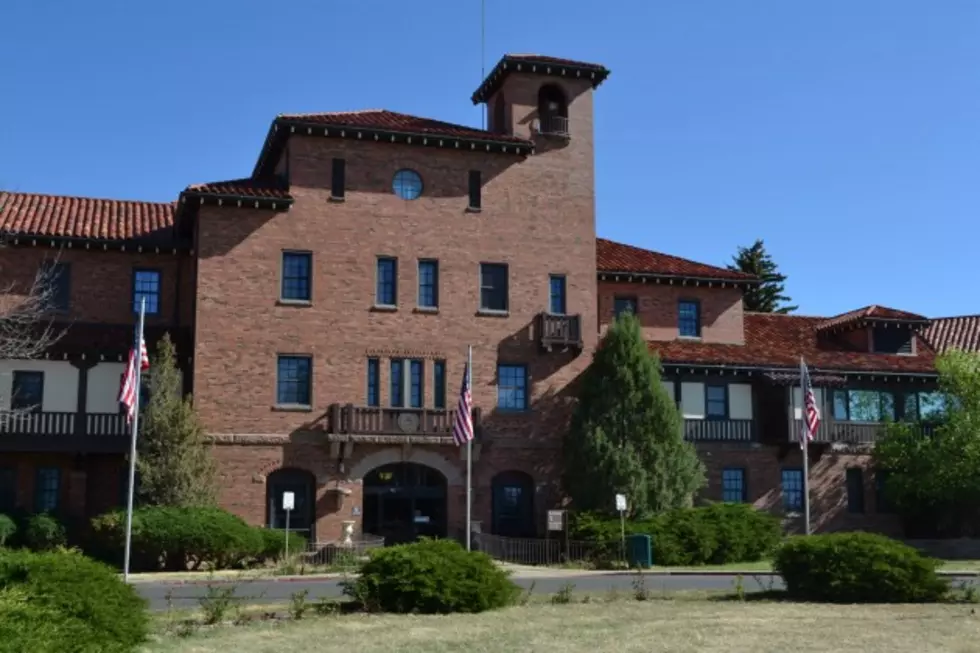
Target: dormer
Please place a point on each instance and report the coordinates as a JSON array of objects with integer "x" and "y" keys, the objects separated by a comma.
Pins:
[
  {"x": 876, "y": 329},
  {"x": 536, "y": 97}
]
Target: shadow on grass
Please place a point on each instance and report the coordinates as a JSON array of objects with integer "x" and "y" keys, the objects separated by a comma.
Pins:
[{"x": 765, "y": 596}]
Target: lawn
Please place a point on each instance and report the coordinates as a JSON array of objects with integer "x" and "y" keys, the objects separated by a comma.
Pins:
[{"x": 621, "y": 626}]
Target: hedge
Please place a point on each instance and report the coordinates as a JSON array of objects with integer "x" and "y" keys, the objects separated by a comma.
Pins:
[
  {"x": 8, "y": 527},
  {"x": 54, "y": 602},
  {"x": 431, "y": 576},
  {"x": 857, "y": 568},
  {"x": 717, "y": 534}
]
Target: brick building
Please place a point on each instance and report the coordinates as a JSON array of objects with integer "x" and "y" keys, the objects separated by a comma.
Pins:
[{"x": 322, "y": 308}]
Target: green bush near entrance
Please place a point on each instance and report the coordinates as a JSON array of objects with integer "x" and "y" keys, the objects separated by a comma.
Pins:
[
  {"x": 433, "y": 577},
  {"x": 722, "y": 533},
  {"x": 857, "y": 568}
]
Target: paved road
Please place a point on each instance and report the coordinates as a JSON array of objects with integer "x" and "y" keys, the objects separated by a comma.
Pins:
[{"x": 261, "y": 591}]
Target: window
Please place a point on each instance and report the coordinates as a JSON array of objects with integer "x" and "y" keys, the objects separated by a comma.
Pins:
[
  {"x": 882, "y": 502},
  {"x": 407, "y": 184},
  {"x": 373, "y": 382},
  {"x": 439, "y": 384},
  {"x": 863, "y": 406},
  {"x": 854, "y": 478},
  {"x": 146, "y": 285},
  {"x": 296, "y": 276},
  {"x": 8, "y": 489},
  {"x": 793, "y": 490},
  {"x": 512, "y": 387},
  {"x": 925, "y": 406},
  {"x": 556, "y": 305},
  {"x": 624, "y": 305},
  {"x": 416, "y": 383},
  {"x": 892, "y": 340},
  {"x": 27, "y": 391},
  {"x": 493, "y": 286},
  {"x": 58, "y": 276},
  {"x": 293, "y": 386},
  {"x": 47, "y": 488},
  {"x": 428, "y": 284},
  {"x": 337, "y": 178},
  {"x": 716, "y": 401},
  {"x": 387, "y": 291},
  {"x": 733, "y": 485},
  {"x": 397, "y": 377},
  {"x": 475, "y": 185},
  {"x": 689, "y": 319}
]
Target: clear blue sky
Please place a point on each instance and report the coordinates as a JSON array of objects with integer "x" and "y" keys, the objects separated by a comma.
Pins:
[{"x": 846, "y": 134}]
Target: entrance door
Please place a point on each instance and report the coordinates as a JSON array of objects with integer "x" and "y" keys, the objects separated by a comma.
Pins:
[
  {"x": 405, "y": 501},
  {"x": 301, "y": 483}
]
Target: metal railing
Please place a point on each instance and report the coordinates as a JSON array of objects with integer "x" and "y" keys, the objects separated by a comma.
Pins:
[
  {"x": 722, "y": 430},
  {"x": 554, "y": 551},
  {"x": 553, "y": 125},
  {"x": 338, "y": 552},
  {"x": 560, "y": 330}
]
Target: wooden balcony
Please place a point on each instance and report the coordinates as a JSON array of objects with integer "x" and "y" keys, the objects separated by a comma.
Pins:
[
  {"x": 385, "y": 425},
  {"x": 564, "y": 331},
  {"x": 63, "y": 432},
  {"x": 719, "y": 430},
  {"x": 855, "y": 433}
]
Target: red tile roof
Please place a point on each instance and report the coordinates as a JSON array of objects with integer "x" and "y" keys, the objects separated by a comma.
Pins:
[
  {"x": 30, "y": 214},
  {"x": 542, "y": 59},
  {"x": 779, "y": 340},
  {"x": 383, "y": 120},
  {"x": 538, "y": 64},
  {"x": 250, "y": 188},
  {"x": 872, "y": 312},
  {"x": 962, "y": 332},
  {"x": 612, "y": 257}
]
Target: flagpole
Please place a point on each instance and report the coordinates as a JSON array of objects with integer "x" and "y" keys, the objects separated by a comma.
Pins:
[
  {"x": 137, "y": 352},
  {"x": 804, "y": 445},
  {"x": 469, "y": 457}
]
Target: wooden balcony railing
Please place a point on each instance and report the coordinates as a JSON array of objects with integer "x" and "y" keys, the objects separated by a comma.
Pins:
[
  {"x": 721, "y": 430},
  {"x": 560, "y": 331},
  {"x": 848, "y": 432},
  {"x": 50, "y": 431},
  {"x": 348, "y": 419}
]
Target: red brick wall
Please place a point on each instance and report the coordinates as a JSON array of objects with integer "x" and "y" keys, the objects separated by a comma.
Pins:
[
  {"x": 90, "y": 485},
  {"x": 721, "y": 309}
]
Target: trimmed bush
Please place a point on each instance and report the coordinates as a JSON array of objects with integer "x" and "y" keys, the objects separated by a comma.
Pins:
[
  {"x": 53, "y": 602},
  {"x": 177, "y": 539},
  {"x": 857, "y": 568},
  {"x": 274, "y": 544},
  {"x": 431, "y": 576},
  {"x": 8, "y": 527},
  {"x": 718, "y": 534},
  {"x": 44, "y": 533}
]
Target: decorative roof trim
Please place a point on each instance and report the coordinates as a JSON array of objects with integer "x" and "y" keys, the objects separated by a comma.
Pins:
[
  {"x": 593, "y": 73},
  {"x": 239, "y": 201},
  {"x": 749, "y": 370},
  {"x": 141, "y": 246},
  {"x": 674, "y": 279}
]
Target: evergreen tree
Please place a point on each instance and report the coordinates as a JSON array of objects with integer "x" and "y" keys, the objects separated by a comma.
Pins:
[
  {"x": 175, "y": 464},
  {"x": 626, "y": 434},
  {"x": 767, "y": 297}
]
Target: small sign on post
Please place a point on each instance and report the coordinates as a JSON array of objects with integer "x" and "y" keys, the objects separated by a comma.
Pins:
[
  {"x": 288, "y": 504},
  {"x": 621, "y": 507},
  {"x": 556, "y": 520}
]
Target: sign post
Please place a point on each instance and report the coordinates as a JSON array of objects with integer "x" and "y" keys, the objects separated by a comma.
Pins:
[
  {"x": 288, "y": 503},
  {"x": 556, "y": 522},
  {"x": 621, "y": 507}
]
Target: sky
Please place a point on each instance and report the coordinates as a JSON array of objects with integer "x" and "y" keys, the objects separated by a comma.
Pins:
[{"x": 844, "y": 134}]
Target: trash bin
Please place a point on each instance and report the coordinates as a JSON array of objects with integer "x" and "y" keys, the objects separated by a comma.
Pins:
[{"x": 639, "y": 551}]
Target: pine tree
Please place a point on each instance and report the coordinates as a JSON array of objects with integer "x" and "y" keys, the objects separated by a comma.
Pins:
[
  {"x": 175, "y": 464},
  {"x": 767, "y": 297},
  {"x": 626, "y": 434}
]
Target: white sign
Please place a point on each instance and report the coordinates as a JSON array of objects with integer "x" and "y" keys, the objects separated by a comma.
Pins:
[
  {"x": 556, "y": 520},
  {"x": 621, "y": 502},
  {"x": 288, "y": 500}
]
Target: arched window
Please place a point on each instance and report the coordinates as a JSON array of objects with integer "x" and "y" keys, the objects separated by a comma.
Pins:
[
  {"x": 302, "y": 484},
  {"x": 513, "y": 504},
  {"x": 552, "y": 110},
  {"x": 500, "y": 115}
]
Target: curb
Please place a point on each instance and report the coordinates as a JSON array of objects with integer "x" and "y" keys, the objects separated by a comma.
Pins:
[{"x": 236, "y": 581}]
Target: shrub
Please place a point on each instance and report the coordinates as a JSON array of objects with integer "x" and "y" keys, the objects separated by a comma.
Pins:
[
  {"x": 177, "y": 539},
  {"x": 66, "y": 602},
  {"x": 7, "y": 529},
  {"x": 857, "y": 568},
  {"x": 44, "y": 533},
  {"x": 274, "y": 544},
  {"x": 431, "y": 576},
  {"x": 716, "y": 534}
]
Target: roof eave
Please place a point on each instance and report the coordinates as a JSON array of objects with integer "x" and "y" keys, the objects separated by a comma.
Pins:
[
  {"x": 673, "y": 278},
  {"x": 144, "y": 244},
  {"x": 783, "y": 368},
  {"x": 245, "y": 201},
  {"x": 507, "y": 65}
]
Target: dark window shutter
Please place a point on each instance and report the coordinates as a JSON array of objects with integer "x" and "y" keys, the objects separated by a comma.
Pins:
[
  {"x": 337, "y": 183},
  {"x": 475, "y": 186}
]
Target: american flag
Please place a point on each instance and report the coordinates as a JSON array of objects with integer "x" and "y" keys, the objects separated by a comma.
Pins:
[
  {"x": 128, "y": 392},
  {"x": 463, "y": 419},
  {"x": 811, "y": 413}
]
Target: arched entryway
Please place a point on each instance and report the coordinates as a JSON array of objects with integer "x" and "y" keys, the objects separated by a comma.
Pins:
[
  {"x": 405, "y": 501},
  {"x": 302, "y": 484},
  {"x": 513, "y": 504},
  {"x": 552, "y": 110}
]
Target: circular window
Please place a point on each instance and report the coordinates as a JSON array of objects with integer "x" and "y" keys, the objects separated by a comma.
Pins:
[{"x": 407, "y": 184}]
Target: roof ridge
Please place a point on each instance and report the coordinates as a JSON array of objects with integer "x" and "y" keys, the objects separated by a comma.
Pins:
[{"x": 794, "y": 315}]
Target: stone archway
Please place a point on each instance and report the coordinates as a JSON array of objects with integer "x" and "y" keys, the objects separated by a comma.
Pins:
[
  {"x": 418, "y": 456},
  {"x": 404, "y": 501}
]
